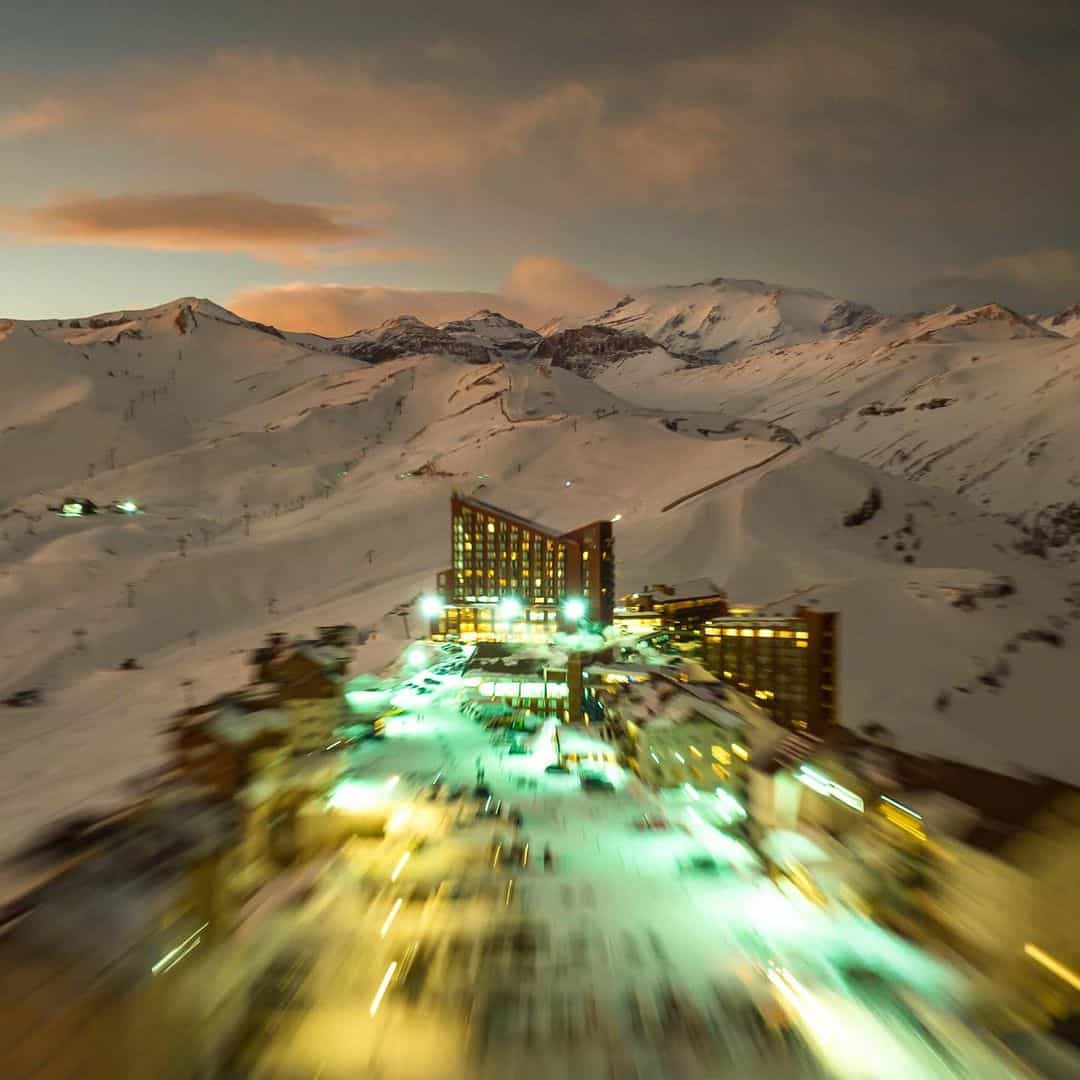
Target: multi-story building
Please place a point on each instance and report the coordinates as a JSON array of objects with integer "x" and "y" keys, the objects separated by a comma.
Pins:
[
  {"x": 685, "y": 605},
  {"x": 787, "y": 663},
  {"x": 513, "y": 579}
]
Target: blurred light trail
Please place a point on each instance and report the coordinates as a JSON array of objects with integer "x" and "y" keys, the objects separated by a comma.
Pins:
[{"x": 377, "y": 1001}]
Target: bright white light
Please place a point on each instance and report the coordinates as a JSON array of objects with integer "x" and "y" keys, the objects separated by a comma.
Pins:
[
  {"x": 416, "y": 657},
  {"x": 392, "y": 782},
  {"x": 352, "y": 795},
  {"x": 575, "y": 609},
  {"x": 510, "y": 608},
  {"x": 382, "y": 988},
  {"x": 400, "y": 866},
  {"x": 431, "y": 606},
  {"x": 567, "y": 483},
  {"x": 617, "y": 517},
  {"x": 399, "y": 819},
  {"x": 391, "y": 917}
]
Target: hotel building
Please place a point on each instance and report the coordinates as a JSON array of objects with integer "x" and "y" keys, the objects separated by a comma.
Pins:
[
  {"x": 788, "y": 664},
  {"x": 513, "y": 579}
]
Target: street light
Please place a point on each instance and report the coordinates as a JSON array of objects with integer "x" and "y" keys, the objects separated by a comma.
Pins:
[
  {"x": 431, "y": 607},
  {"x": 510, "y": 608},
  {"x": 574, "y": 608}
]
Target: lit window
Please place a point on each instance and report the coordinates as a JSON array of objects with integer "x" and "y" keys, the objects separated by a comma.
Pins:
[
  {"x": 730, "y": 633},
  {"x": 801, "y": 634},
  {"x": 747, "y": 633},
  {"x": 765, "y": 633},
  {"x": 802, "y": 644},
  {"x": 491, "y": 526}
]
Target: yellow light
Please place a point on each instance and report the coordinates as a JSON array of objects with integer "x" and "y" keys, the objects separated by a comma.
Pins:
[
  {"x": 740, "y": 751},
  {"x": 802, "y": 644},
  {"x": 400, "y": 866},
  {"x": 695, "y": 751},
  {"x": 390, "y": 918},
  {"x": 801, "y": 634},
  {"x": 382, "y": 988},
  {"x": 747, "y": 633},
  {"x": 730, "y": 632},
  {"x": 761, "y": 695},
  {"x": 727, "y": 675},
  {"x": 1055, "y": 966},
  {"x": 399, "y": 818},
  {"x": 903, "y": 821},
  {"x": 765, "y": 633}
]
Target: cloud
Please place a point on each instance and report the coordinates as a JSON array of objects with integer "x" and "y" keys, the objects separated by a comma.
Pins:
[
  {"x": 819, "y": 104},
  {"x": 41, "y": 116},
  {"x": 550, "y": 284},
  {"x": 537, "y": 290},
  {"x": 1043, "y": 279},
  {"x": 300, "y": 234}
]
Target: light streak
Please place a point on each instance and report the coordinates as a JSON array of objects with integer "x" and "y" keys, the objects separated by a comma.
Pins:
[
  {"x": 400, "y": 866},
  {"x": 1064, "y": 973},
  {"x": 174, "y": 956},
  {"x": 379, "y": 994},
  {"x": 390, "y": 918}
]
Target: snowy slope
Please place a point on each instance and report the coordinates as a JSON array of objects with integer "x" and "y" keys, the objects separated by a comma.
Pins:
[
  {"x": 1066, "y": 322},
  {"x": 728, "y": 318},
  {"x": 981, "y": 402},
  {"x": 286, "y": 487}
]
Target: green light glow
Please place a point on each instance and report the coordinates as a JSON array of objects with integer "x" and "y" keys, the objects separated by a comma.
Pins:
[
  {"x": 354, "y": 795},
  {"x": 431, "y": 607},
  {"x": 730, "y": 807},
  {"x": 575, "y": 609},
  {"x": 416, "y": 657},
  {"x": 127, "y": 506},
  {"x": 71, "y": 510},
  {"x": 510, "y": 608}
]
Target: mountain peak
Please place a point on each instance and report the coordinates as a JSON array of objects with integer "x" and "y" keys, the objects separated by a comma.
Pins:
[{"x": 728, "y": 318}]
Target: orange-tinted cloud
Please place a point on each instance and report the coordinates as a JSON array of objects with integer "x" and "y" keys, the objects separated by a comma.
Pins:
[
  {"x": 295, "y": 233},
  {"x": 552, "y": 285},
  {"x": 745, "y": 123},
  {"x": 40, "y": 116},
  {"x": 537, "y": 290}
]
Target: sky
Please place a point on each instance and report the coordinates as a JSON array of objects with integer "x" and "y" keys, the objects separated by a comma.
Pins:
[{"x": 328, "y": 165}]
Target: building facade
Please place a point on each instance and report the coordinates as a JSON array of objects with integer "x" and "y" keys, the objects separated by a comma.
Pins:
[
  {"x": 787, "y": 663},
  {"x": 685, "y": 605},
  {"x": 516, "y": 580}
]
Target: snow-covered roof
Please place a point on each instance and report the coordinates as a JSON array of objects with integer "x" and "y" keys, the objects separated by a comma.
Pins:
[
  {"x": 324, "y": 654},
  {"x": 237, "y": 726},
  {"x": 694, "y": 589}
]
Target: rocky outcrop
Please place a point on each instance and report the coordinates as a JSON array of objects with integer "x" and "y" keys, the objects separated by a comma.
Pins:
[
  {"x": 589, "y": 349},
  {"x": 408, "y": 336}
]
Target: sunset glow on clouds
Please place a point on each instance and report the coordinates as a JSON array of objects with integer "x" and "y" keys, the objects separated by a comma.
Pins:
[
  {"x": 537, "y": 290},
  {"x": 850, "y": 148},
  {"x": 291, "y": 233}
]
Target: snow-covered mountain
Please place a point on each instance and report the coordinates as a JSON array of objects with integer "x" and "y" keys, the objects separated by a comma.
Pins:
[
  {"x": 484, "y": 336},
  {"x": 288, "y": 484},
  {"x": 589, "y": 350},
  {"x": 981, "y": 402},
  {"x": 728, "y": 318},
  {"x": 1066, "y": 322}
]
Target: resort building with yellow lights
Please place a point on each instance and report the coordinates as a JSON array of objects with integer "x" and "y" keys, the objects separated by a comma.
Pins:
[
  {"x": 787, "y": 663},
  {"x": 513, "y": 579}
]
